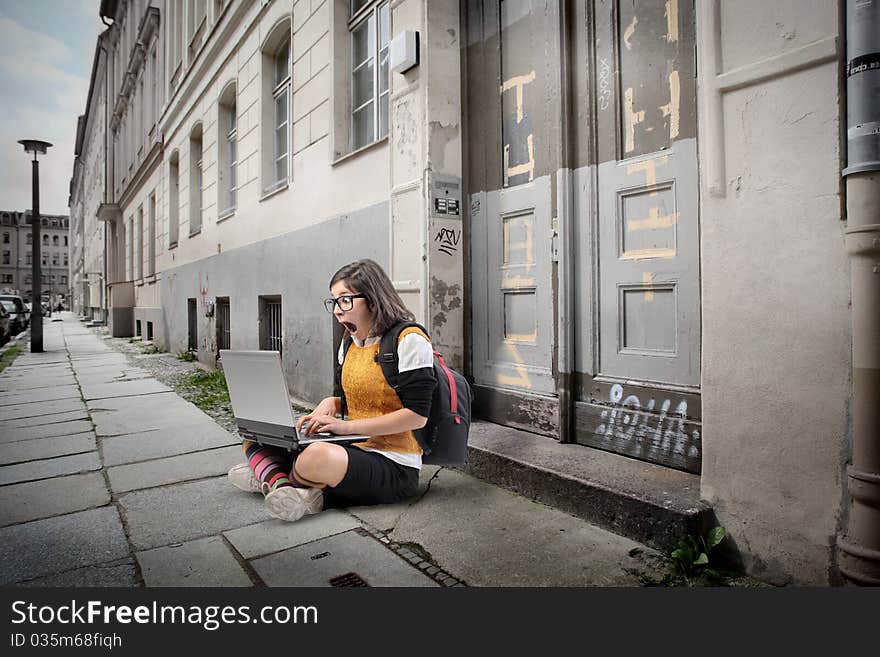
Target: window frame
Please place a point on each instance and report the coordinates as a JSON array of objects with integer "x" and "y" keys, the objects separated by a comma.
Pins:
[
  {"x": 196, "y": 180},
  {"x": 371, "y": 10},
  {"x": 281, "y": 88},
  {"x": 273, "y": 88},
  {"x": 227, "y": 138}
]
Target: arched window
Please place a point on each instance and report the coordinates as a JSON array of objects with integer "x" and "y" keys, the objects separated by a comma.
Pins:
[
  {"x": 195, "y": 180},
  {"x": 276, "y": 107},
  {"x": 173, "y": 198},
  {"x": 227, "y": 139}
]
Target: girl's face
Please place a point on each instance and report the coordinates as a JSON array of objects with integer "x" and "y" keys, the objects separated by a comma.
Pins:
[{"x": 358, "y": 320}]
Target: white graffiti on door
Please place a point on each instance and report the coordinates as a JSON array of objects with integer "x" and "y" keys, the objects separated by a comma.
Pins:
[{"x": 629, "y": 420}]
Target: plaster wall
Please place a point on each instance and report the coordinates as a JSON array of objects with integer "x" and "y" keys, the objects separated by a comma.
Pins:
[
  {"x": 296, "y": 266},
  {"x": 317, "y": 188},
  {"x": 775, "y": 287}
]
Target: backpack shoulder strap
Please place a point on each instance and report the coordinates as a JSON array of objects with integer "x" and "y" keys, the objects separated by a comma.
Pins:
[
  {"x": 387, "y": 356},
  {"x": 346, "y": 345}
]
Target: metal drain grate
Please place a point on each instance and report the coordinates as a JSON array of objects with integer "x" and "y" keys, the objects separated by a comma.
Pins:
[{"x": 348, "y": 580}]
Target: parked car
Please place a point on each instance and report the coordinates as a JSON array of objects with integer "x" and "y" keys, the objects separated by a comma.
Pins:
[
  {"x": 4, "y": 325},
  {"x": 16, "y": 317},
  {"x": 22, "y": 311}
]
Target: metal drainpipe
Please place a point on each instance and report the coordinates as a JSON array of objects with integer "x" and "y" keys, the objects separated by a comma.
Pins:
[{"x": 859, "y": 548}]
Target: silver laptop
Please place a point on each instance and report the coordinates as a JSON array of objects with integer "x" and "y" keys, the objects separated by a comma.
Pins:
[{"x": 261, "y": 404}]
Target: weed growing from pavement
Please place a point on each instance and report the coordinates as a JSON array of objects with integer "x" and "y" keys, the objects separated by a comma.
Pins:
[
  {"x": 8, "y": 356},
  {"x": 207, "y": 390},
  {"x": 187, "y": 356}
]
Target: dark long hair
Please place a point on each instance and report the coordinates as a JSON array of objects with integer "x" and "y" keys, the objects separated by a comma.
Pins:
[{"x": 367, "y": 277}]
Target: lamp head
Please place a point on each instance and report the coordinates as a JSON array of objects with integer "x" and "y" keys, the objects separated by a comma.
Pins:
[{"x": 34, "y": 146}]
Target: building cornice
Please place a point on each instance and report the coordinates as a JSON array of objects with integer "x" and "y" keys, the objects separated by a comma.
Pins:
[
  {"x": 146, "y": 30},
  {"x": 219, "y": 46},
  {"x": 150, "y": 161}
]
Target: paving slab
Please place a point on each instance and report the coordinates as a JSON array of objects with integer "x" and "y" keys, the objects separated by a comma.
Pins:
[
  {"x": 268, "y": 537},
  {"x": 123, "y": 415},
  {"x": 203, "y": 562},
  {"x": 48, "y": 468},
  {"x": 134, "y": 388},
  {"x": 44, "y": 420},
  {"x": 170, "y": 441},
  {"x": 84, "y": 350},
  {"x": 116, "y": 574},
  {"x": 60, "y": 544},
  {"x": 110, "y": 375},
  {"x": 70, "y": 428},
  {"x": 46, "y": 448},
  {"x": 386, "y": 516},
  {"x": 24, "y": 375},
  {"x": 19, "y": 383},
  {"x": 183, "y": 512},
  {"x": 40, "y": 360},
  {"x": 174, "y": 469},
  {"x": 315, "y": 564},
  {"x": 40, "y": 409},
  {"x": 39, "y": 395},
  {"x": 36, "y": 499},
  {"x": 462, "y": 521}
]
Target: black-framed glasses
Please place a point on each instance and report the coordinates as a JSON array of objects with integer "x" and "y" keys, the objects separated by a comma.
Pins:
[{"x": 345, "y": 302}]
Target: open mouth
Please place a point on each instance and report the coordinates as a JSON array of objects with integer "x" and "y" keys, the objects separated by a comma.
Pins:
[{"x": 352, "y": 328}]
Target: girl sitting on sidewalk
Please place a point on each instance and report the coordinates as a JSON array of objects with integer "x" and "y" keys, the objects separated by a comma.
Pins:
[{"x": 383, "y": 469}]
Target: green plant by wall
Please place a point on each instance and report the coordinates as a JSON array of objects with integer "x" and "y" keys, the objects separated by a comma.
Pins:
[
  {"x": 188, "y": 356},
  {"x": 690, "y": 563},
  {"x": 690, "y": 558}
]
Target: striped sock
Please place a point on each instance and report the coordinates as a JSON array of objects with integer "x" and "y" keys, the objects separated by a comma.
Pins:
[{"x": 271, "y": 465}]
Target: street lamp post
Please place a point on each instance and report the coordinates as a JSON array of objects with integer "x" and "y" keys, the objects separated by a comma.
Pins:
[{"x": 36, "y": 147}]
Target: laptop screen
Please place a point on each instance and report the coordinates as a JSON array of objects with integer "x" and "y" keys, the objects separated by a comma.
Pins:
[{"x": 257, "y": 388}]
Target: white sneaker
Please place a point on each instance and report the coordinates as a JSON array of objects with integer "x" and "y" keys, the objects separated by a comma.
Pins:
[
  {"x": 291, "y": 504},
  {"x": 242, "y": 477}
]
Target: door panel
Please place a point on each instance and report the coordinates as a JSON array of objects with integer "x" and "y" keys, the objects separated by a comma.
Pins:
[
  {"x": 647, "y": 192},
  {"x": 518, "y": 311},
  {"x": 510, "y": 207},
  {"x": 637, "y": 389}
]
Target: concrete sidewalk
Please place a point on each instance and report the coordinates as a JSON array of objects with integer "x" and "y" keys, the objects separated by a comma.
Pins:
[{"x": 109, "y": 478}]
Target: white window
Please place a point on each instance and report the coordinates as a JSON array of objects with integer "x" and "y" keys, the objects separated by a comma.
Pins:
[
  {"x": 173, "y": 198},
  {"x": 151, "y": 236},
  {"x": 140, "y": 242},
  {"x": 228, "y": 152},
  {"x": 195, "y": 180},
  {"x": 281, "y": 103},
  {"x": 369, "y": 27},
  {"x": 131, "y": 248},
  {"x": 275, "y": 113}
]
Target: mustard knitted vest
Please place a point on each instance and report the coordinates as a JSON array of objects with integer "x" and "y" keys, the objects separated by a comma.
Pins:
[{"x": 368, "y": 395}]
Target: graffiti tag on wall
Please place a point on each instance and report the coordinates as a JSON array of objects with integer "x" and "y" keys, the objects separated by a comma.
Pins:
[
  {"x": 448, "y": 239},
  {"x": 645, "y": 430}
]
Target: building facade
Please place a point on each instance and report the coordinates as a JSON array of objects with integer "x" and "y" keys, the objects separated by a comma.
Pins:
[
  {"x": 614, "y": 217},
  {"x": 88, "y": 192},
  {"x": 16, "y": 242}
]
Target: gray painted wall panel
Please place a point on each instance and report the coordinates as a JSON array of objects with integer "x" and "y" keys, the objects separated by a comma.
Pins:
[{"x": 296, "y": 266}]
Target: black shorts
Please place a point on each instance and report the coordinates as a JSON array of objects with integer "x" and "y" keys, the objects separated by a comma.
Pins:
[{"x": 371, "y": 479}]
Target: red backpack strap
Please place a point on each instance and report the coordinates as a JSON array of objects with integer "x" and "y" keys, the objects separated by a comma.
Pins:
[{"x": 453, "y": 393}]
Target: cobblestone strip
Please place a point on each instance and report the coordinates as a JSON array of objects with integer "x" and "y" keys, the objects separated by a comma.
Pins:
[{"x": 431, "y": 570}]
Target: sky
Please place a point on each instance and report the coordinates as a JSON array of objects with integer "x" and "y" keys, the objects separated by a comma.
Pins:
[{"x": 46, "y": 53}]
